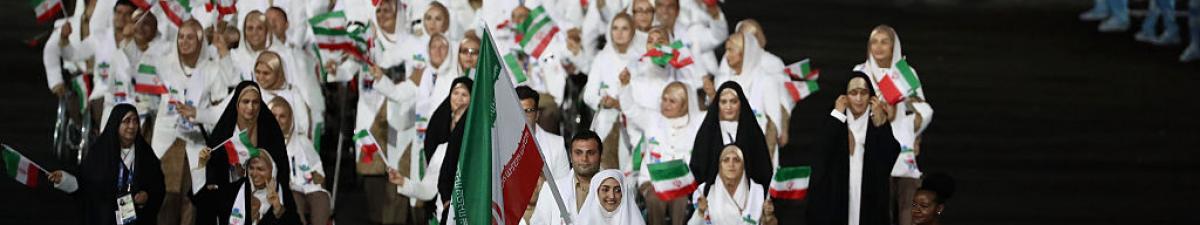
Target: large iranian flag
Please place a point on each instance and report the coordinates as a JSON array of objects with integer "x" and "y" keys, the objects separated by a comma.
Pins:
[
  {"x": 238, "y": 148},
  {"x": 20, "y": 168},
  {"x": 500, "y": 162},
  {"x": 899, "y": 82},
  {"x": 790, "y": 182},
  {"x": 46, "y": 9},
  {"x": 671, "y": 179},
  {"x": 538, "y": 31}
]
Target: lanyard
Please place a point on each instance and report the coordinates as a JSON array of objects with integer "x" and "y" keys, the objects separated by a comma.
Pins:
[{"x": 125, "y": 178}]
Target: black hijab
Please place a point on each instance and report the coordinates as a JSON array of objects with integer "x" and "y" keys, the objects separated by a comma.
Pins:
[
  {"x": 270, "y": 139},
  {"x": 100, "y": 173},
  {"x": 706, "y": 151},
  {"x": 439, "y": 132}
]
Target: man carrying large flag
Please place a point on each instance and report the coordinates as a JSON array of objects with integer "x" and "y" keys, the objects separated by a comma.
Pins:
[{"x": 499, "y": 162}]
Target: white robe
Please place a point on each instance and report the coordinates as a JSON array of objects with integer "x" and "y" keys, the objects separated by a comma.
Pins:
[{"x": 744, "y": 207}]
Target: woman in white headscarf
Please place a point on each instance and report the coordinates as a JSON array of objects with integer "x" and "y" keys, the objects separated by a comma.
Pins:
[
  {"x": 607, "y": 203},
  {"x": 667, "y": 134},
  {"x": 307, "y": 171},
  {"x": 742, "y": 64},
  {"x": 604, "y": 84},
  {"x": 733, "y": 198},
  {"x": 912, "y": 115},
  {"x": 768, "y": 61}
]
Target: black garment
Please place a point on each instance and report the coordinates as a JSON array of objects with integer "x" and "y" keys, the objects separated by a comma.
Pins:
[
  {"x": 100, "y": 174},
  {"x": 829, "y": 184},
  {"x": 706, "y": 150},
  {"x": 439, "y": 132},
  {"x": 212, "y": 205}
]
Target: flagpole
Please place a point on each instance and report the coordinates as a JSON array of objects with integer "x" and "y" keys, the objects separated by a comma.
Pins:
[
  {"x": 549, "y": 177},
  {"x": 63, "y": 7}
]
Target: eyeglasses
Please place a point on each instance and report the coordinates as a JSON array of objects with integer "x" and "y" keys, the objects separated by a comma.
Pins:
[{"x": 469, "y": 51}]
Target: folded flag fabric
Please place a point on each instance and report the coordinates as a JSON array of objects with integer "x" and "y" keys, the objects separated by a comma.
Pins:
[
  {"x": 143, "y": 4},
  {"x": 671, "y": 179},
  {"x": 223, "y": 7},
  {"x": 906, "y": 164},
  {"x": 790, "y": 182},
  {"x": 146, "y": 81},
  {"x": 82, "y": 85},
  {"x": 334, "y": 33},
  {"x": 637, "y": 154},
  {"x": 899, "y": 82},
  {"x": 537, "y": 32},
  {"x": 238, "y": 148},
  {"x": 176, "y": 11},
  {"x": 802, "y": 70},
  {"x": 20, "y": 168},
  {"x": 799, "y": 90},
  {"x": 366, "y": 145},
  {"x": 46, "y": 9},
  {"x": 672, "y": 54}
]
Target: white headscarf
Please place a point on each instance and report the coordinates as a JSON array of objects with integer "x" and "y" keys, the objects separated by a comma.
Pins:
[
  {"x": 746, "y": 201},
  {"x": 592, "y": 213},
  {"x": 261, "y": 194},
  {"x": 762, "y": 86}
]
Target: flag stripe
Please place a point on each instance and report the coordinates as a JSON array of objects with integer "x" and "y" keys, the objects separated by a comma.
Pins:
[
  {"x": 514, "y": 67},
  {"x": 672, "y": 194},
  {"x": 667, "y": 170}
]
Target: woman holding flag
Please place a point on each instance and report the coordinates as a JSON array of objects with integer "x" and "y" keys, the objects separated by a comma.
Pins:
[
  {"x": 885, "y": 61},
  {"x": 734, "y": 199},
  {"x": 245, "y": 127},
  {"x": 666, "y": 135},
  {"x": 120, "y": 174},
  {"x": 729, "y": 122}
]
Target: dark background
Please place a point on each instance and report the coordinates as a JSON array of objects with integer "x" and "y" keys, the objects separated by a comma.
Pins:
[{"x": 1041, "y": 119}]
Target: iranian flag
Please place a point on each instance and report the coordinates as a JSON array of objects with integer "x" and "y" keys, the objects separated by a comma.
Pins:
[
  {"x": 670, "y": 54},
  {"x": 802, "y": 70},
  {"x": 799, "y": 90},
  {"x": 223, "y": 7},
  {"x": 538, "y": 31},
  {"x": 177, "y": 10},
  {"x": 500, "y": 161},
  {"x": 82, "y": 85},
  {"x": 790, "y": 182},
  {"x": 333, "y": 33},
  {"x": 899, "y": 82},
  {"x": 514, "y": 67},
  {"x": 366, "y": 145},
  {"x": 637, "y": 154},
  {"x": 143, "y": 4},
  {"x": 46, "y": 9},
  {"x": 238, "y": 148},
  {"x": 671, "y": 179},
  {"x": 146, "y": 81},
  {"x": 20, "y": 168}
]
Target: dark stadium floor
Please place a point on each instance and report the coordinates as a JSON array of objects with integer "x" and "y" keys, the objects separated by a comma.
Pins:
[{"x": 1041, "y": 119}]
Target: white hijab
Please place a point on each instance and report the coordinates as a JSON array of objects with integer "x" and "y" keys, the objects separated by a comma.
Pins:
[
  {"x": 762, "y": 86},
  {"x": 592, "y": 213},
  {"x": 746, "y": 201}
]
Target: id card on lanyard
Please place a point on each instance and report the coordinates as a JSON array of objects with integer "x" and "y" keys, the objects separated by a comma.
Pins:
[{"x": 126, "y": 212}]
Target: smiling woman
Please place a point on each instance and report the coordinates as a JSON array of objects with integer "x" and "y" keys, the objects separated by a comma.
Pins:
[{"x": 607, "y": 203}]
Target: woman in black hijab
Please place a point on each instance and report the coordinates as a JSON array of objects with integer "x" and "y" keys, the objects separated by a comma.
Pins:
[
  {"x": 120, "y": 164},
  {"x": 731, "y": 108},
  {"x": 830, "y": 183},
  {"x": 444, "y": 128},
  {"x": 245, "y": 112}
]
